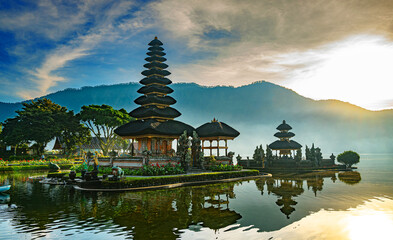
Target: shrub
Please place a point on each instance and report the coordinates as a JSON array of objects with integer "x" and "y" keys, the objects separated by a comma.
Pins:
[
  {"x": 225, "y": 167},
  {"x": 348, "y": 158}
]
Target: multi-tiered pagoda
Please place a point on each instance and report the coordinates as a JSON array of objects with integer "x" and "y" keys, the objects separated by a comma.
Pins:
[
  {"x": 155, "y": 127},
  {"x": 284, "y": 145}
]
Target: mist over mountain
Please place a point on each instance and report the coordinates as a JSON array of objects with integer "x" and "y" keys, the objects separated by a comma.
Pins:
[{"x": 255, "y": 110}]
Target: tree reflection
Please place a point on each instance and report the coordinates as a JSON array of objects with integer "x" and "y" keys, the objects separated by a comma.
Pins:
[{"x": 143, "y": 215}]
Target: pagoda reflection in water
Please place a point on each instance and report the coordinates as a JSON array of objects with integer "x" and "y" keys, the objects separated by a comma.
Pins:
[{"x": 288, "y": 186}]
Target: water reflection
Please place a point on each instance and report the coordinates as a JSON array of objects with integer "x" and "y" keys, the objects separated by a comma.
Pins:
[
  {"x": 287, "y": 186},
  {"x": 35, "y": 210}
]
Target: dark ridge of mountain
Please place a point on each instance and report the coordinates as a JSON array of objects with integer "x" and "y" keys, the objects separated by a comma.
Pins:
[{"x": 255, "y": 110}]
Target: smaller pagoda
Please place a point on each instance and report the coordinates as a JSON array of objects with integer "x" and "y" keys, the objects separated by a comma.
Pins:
[{"x": 284, "y": 145}]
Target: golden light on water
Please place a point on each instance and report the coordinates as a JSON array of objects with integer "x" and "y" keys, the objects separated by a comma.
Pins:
[
  {"x": 370, "y": 225},
  {"x": 371, "y": 220}
]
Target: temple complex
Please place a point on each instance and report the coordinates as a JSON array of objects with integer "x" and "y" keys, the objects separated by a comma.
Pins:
[
  {"x": 284, "y": 145},
  {"x": 216, "y": 131},
  {"x": 154, "y": 128}
]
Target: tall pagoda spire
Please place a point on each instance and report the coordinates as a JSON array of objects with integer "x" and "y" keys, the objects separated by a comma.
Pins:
[
  {"x": 155, "y": 102},
  {"x": 154, "y": 128}
]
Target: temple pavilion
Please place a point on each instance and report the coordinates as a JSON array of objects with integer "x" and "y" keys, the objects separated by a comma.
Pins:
[
  {"x": 284, "y": 145},
  {"x": 218, "y": 132},
  {"x": 154, "y": 128}
]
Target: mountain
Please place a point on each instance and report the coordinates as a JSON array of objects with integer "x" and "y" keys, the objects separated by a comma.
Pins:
[{"x": 255, "y": 110}]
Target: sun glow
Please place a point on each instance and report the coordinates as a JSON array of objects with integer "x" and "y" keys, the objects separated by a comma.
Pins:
[
  {"x": 357, "y": 70},
  {"x": 370, "y": 225}
]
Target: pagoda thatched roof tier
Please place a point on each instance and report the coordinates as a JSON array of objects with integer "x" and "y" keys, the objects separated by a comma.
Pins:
[
  {"x": 155, "y": 89},
  {"x": 155, "y": 58},
  {"x": 284, "y": 134},
  {"x": 152, "y": 127},
  {"x": 156, "y": 71},
  {"x": 155, "y": 65},
  {"x": 153, "y": 111},
  {"x": 283, "y": 126},
  {"x": 216, "y": 129},
  {"x": 151, "y": 99},
  {"x": 152, "y": 80},
  {"x": 285, "y": 145},
  {"x": 155, "y": 48},
  {"x": 155, "y": 42},
  {"x": 156, "y": 53}
]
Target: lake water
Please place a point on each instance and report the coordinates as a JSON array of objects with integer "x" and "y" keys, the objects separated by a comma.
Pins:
[{"x": 327, "y": 205}]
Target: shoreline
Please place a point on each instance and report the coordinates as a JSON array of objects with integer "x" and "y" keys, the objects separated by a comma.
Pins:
[{"x": 173, "y": 185}]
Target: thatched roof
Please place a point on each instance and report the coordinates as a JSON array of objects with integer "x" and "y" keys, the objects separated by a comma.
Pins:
[
  {"x": 153, "y": 111},
  {"x": 155, "y": 65},
  {"x": 155, "y": 42},
  {"x": 153, "y": 127},
  {"x": 284, "y": 134},
  {"x": 216, "y": 129},
  {"x": 285, "y": 145},
  {"x": 155, "y": 88},
  {"x": 155, "y": 79},
  {"x": 284, "y": 126},
  {"x": 155, "y": 58},
  {"x": 155, "y": 71},
  {"x": 166, "y": 100}
]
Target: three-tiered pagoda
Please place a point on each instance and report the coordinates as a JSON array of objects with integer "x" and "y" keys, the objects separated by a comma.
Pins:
[
  {"x": 284, "y": 145},
  {"x": 155, "y": 127}
]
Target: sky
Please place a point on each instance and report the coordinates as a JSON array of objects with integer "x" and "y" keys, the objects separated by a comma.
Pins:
[{"x": 322, "y": 49}]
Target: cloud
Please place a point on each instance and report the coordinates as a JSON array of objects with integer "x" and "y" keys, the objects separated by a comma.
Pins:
[
  {"x": 46, "y": 75},
  {"x": 261, "y": 35}
]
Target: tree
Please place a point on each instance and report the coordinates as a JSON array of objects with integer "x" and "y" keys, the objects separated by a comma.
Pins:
[
  {"x": 308, "y": 155},
  {"x": 183, "y": 150},
  {"x": 38, "y": 121},
  {"x": 259, "y": 154},
  {"x": 298, "y": 155},
  {"x": 196, "y": 149},
  {"x": 269, "y": 155},
  {"x": 348, "y": 158},
  {"x": 102, "y": 121},
  {"x": 74, "y": 133},
  {"x": 318, "y": 156}
]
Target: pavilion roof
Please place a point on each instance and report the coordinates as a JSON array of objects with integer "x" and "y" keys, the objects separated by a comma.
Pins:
[{"x": 216, "y": 129}]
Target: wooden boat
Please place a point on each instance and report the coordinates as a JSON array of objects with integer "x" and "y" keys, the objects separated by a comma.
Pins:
[{"x": 5, "y": 188}]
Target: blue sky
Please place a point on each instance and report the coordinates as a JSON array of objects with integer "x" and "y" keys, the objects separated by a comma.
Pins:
[{"x": 326, "y": 49}]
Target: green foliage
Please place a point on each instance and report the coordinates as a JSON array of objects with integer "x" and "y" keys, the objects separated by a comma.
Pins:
[
  {"x": 196, "y": 149},
  {"x": 298, "y": 155},
  {"x": 226, "y": 167},
  {"x": 259, "y": 154},
  {"x": 102, "y": 121},
  {"x": 156, "y": 181},
  {"x": 183, "y": 150},
  {"x": 156, "y": 170},
  {"x": 74, "y": 134},
  {"x": 269, "y": 156},
  {"x": 348, "y": 158},
  {"x": 39, "y": 122}
]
